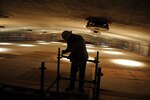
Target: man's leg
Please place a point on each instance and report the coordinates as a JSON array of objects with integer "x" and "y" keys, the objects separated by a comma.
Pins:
[
  {"x": 82, "y": 76},
  {"x": 73, "y": 72}
]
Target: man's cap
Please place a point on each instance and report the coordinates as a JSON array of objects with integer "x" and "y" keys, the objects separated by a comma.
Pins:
[{"x": 66, "y": 34}]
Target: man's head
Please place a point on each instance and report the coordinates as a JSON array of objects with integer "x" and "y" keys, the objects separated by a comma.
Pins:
[{"x": 66, "y": 35}]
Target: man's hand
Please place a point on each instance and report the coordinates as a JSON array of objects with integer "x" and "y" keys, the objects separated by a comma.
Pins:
[{"x": 63, "y": 51}]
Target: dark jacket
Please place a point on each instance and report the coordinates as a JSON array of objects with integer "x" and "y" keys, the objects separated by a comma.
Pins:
[{"x": 76, "y": 47}]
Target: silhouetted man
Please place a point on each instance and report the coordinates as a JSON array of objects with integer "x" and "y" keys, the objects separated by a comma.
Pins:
[{"x": 78, "y": 57}]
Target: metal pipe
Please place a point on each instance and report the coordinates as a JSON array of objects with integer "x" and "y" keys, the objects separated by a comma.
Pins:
[
  {"x": 95, "y": 78},
  {"x": 98, "y": 84},
  {"x": 58, "y": 70},
  {"x": 94, "y": 61},
  {"x": 42, "y": 68}
]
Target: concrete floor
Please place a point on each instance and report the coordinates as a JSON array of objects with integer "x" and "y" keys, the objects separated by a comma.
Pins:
[{"x": 126, "y": 74}]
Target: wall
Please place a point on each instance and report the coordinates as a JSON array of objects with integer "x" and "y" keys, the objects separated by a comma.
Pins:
[
  {"x": 139, "y": 48},
  {"x": 145, "y": 49},
  {"x": 27, "y": 36}
]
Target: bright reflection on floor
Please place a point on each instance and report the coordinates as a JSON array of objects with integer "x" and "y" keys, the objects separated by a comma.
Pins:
[
  {"x": 43, "y": 43},
  {"x": 90, "y": 58},
  {"x": 107, "y": 48},
  {"x": 4, "y": 50},
  {"x": 130, "y": 63},
  {"x": 5, "y": 43},
  {"x": 91, "y": 50},
  {"x": 58, "y": 43},
  {"x": 113, "y": 52},
  {"x": 63, "y": 43},
  {"x": 90, "y": 46},
  {"x": 26, "y": 45},
  {"x": 104, "y": 46},
  {"x": 55, "y": 42},
  {"x": 65, "y": 59},
  {"x": 40, "y": 41}
]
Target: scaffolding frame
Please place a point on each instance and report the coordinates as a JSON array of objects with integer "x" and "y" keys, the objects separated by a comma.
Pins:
[{"x": 96, "y": 82}]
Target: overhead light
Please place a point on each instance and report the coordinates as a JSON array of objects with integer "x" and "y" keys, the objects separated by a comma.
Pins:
[{"x": 97, "y": 24}]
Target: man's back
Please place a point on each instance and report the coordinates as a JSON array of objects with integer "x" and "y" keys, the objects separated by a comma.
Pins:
[{"x": 77, "y": 47}]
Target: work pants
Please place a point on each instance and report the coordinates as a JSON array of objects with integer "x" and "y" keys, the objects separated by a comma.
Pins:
[{"x": 75, "y": 67}]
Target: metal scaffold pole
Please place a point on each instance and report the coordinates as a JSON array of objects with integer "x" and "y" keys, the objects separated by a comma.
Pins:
[
  {"x": 42, "y": 68},
  {"x": 58, "y": 70}
]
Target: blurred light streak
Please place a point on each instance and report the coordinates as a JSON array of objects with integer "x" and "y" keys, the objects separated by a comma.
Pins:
[
  {"x": 91, "y": 50},
  {"x": 126, "y": 62},
  {"x": 107, "y": 48},
  {"x": 6, "y": 43},
  {"x": 4, "y": 50},
  {"x": 113, "y": 52},
  {"x": 26, "y": 45}
]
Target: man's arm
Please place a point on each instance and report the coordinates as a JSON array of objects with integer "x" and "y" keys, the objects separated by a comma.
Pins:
[{"x": 68, "y": 49}]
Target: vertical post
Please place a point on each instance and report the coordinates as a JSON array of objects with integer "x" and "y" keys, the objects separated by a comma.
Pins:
[
  {"x": 42, "y": 68},
  {"x": 95, "y": 78},
  {"x": 58, "y": 70},
  {"x": 96, "y": 65},
  {"x": 98, "y": 83}
]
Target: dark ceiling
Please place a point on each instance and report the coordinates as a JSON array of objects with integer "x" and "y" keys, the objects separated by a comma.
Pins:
[{"x": 129, "y": 18}]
